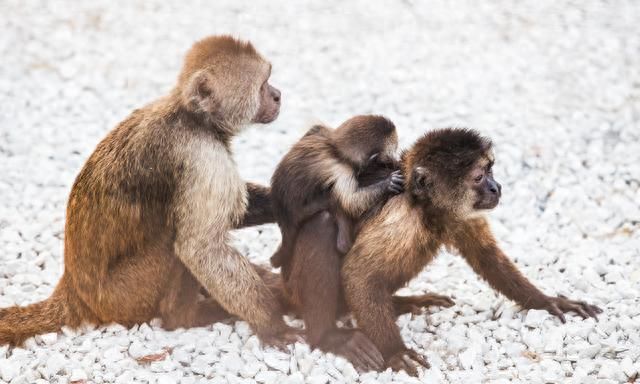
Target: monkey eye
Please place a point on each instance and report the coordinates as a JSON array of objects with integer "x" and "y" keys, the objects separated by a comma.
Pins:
[{"x": 478, "y": 178}]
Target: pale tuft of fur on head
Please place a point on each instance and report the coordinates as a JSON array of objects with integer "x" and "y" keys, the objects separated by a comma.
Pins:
[{"x": 221, "y": 78}]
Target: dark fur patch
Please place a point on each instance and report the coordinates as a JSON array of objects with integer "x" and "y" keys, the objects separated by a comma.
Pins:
[{"x": 450, "y": 153}]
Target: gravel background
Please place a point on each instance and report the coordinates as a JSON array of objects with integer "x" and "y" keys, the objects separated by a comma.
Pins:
[{"x": 556, "y": 85}]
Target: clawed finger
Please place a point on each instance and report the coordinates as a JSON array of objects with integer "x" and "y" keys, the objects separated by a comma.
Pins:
[
  {"x": 371, "y": 353},
  {"x": 446, "y": 302},
  {"x": 580, "y": 311},
  {"x": 557, "y": 312},
  {"x": 359, "y": 362},
  {"x": 418, "y": 358},
  {"x": 592, "y": 311},
  {"x": 409, "y": 366}
]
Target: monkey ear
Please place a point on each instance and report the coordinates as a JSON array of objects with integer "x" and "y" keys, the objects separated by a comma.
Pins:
[
  {"x": 421, "y": 181},
  {"x": 199, "y": 94}
]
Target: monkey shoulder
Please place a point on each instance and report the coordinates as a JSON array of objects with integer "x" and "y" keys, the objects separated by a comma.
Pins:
[
  {"x": 396, "y": 225},
  {"x": 306, "y": 165},
  {"x": 209, "y": 179}
]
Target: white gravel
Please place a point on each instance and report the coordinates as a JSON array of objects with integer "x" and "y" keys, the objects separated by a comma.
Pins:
[{"x": 556, "y": 84}]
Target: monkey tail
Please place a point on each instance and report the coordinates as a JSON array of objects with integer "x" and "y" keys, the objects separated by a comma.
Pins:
[{"x": 17, "y": 324}]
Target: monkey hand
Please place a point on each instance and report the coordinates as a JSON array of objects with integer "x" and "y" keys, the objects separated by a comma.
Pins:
[
  {"x": 417, "y": 304},
  {"x": 557, "y": 306},
  {"x": 395, "y": 183},
  {"x": 408, "y": 361}
]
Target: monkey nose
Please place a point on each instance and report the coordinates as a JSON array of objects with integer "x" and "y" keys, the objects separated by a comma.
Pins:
[
  {"x": 495, "y": 188},
  {"x": 275, "y": 93}
]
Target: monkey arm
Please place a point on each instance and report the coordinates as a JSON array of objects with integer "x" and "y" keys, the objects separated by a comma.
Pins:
[
  {"x": 203, "y": 213},
  {"x": 356, "y": 200},
  {"x": 260, "y": 209},
  {"x": 477, "y": 245}
]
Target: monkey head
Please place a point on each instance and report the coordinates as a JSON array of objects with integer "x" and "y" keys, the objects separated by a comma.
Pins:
[
  {"x": 450, "y": 169},
  {"x": 366, "y": 139},
  {"x": 228, "y": 81}
]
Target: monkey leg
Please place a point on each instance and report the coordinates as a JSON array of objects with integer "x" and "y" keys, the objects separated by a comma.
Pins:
[
  {"x": 415, "y": 304},
  {"x": 374, "y": 309},
  {"x": 232, "y": 281},
  {"x": 127, "y": 291},
  {"x": 290, "y": 227},
  {"x": 181, "y": 307},
  {"x": 345, "y": 228},
  {"x": 273, "y": 281},
  {"x": 314, "y": 277},
  {"x": 314, "y": 284}
]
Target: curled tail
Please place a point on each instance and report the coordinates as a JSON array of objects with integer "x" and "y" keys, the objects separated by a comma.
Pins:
[{"x": 20, "y": 323}]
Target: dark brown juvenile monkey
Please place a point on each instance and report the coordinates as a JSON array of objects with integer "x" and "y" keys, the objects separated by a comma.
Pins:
[
  {"x": 320, "y": 172},
  {"x": 449, "y": 182},
  {"x": 149, "y": 214}
]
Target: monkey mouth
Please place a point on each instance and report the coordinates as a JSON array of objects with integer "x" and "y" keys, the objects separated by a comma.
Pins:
[
  {"x": 274, "y": 115},
  {"x": 266, "y": 117},
  {"x": 486, "y": 204}
]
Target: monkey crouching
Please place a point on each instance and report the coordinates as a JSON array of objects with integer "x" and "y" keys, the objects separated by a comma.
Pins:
[{"x": 449, "y": 181}]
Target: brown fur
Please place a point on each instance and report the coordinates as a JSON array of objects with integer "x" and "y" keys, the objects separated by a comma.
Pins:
[
  {"x": 149, "y": 214},
  {"x": 320, "y": 172},
  {"x": 395, "y": 244},
  {"x": 313, "y": 290}
]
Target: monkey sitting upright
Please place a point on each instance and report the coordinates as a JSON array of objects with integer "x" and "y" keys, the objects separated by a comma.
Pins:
[
  {"x": 320, "y": 172},
  {"x": 449, "y": 183},
  {"x": 149, "y": 214}
]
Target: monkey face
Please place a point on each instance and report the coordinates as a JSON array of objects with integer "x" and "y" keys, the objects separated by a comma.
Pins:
[
  {"x": 269, "y": 107},
  {"x": 481, "y": 181}
]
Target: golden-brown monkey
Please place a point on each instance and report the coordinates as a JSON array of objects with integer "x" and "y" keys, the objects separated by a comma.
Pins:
[{"x": 149, "y": 214}]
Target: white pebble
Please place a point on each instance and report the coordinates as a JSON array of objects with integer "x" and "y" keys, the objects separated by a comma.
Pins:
[
  {"x": 78, "y": 375},
  {"x": 8, "y": 370}
]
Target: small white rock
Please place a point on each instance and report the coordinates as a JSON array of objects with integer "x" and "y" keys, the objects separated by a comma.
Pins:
[
  {"x": 274, "y": 362},
  {"x": 78, "y": 375},
  {"x": 535, "y": 318},
  {"x": 54, "y": 364},
  {"x": 166, "y": 379},
  {"x": 8, "y": 370},
  {"x": 48, "y": 338},
  {"x": 266, "y": 377}
]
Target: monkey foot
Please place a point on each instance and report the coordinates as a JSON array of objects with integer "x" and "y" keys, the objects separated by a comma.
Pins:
[
  {"x": 407, "y": 360},
  {"x": 282, "y": 338},
  {"x": 361, "y": 352},
  {"x": 558, "y": 306}
]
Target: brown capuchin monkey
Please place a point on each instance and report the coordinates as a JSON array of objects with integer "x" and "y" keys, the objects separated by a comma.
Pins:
[
  {"x": 320, "y": 172},
  {"x": 149, "y": 214},
  {"x": 449, "y": 183}
]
